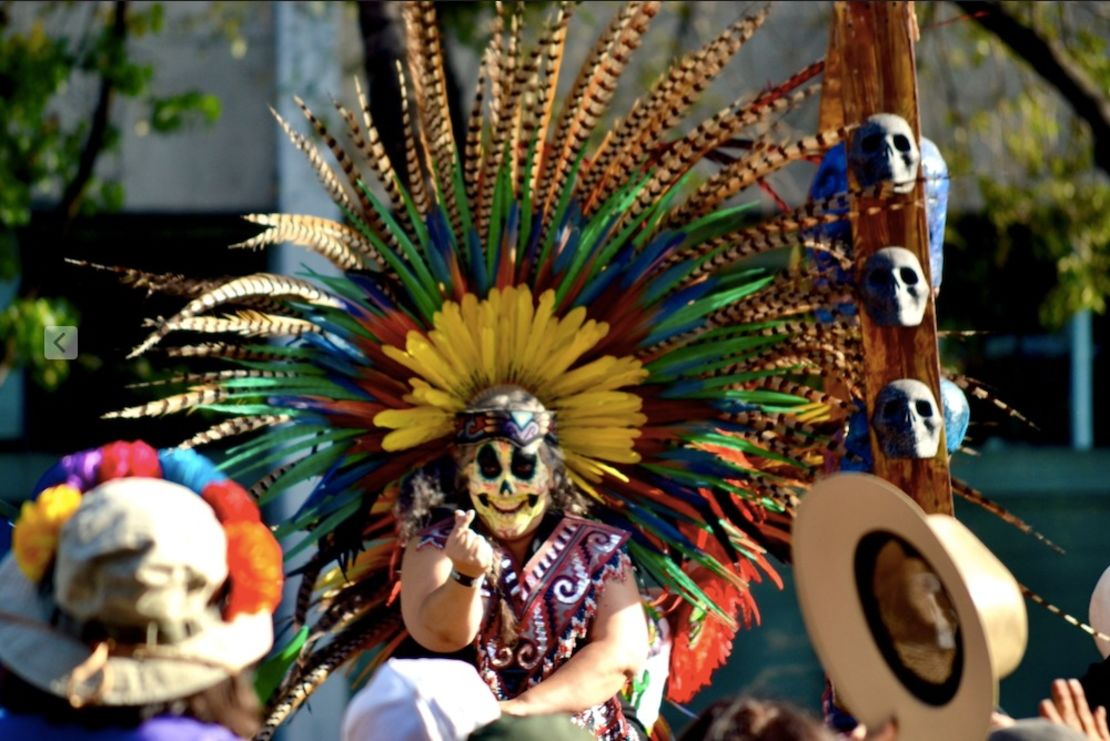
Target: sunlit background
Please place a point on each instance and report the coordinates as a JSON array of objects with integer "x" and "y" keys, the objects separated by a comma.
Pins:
[{"x": 136, "y": 134}]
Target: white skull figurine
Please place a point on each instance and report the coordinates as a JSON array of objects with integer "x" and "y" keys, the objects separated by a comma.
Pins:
[
  {"x": 883, "y": 148},
  {"x": 907, "y": 420},
  {"x": 894, "y": 288}
]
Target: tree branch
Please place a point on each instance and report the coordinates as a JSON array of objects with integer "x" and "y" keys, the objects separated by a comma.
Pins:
[
  {"x": 383, "y": 47},
  {"x": 1052, "y": 63},
  {"x": 98, "y": 131}
]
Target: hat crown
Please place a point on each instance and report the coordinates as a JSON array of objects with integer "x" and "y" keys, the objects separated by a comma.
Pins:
[{"x": 140, "y": 552}]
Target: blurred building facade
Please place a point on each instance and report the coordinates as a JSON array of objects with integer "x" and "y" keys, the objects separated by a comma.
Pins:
[{"x": 243, "y": 164}]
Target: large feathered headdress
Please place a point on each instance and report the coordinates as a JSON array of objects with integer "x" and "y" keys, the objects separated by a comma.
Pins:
[{"x": 587, "y": 270}]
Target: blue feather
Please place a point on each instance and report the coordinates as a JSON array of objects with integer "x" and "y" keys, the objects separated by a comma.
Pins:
[
  {"x": 604, "y": 278},
  {"x": 533, "y": 246},
  {"x": 477, "y": 262},
  {"x": 663, "y": 242},
  {"x": 439, "y": 233},
  {"x": 663, "y": 283}
]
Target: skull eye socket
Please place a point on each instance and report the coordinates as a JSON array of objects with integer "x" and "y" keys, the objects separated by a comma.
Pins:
[
  {"x": 879, "y": 278},
  {"x": 488, "y": 463},
  {"x": 923, "y": 408},
  {"x": 871, "y": 142},
  {"x": 908, "y": 275},
  {"x": 892, "y": 409},
  {"x": 902, "y": 143},
  {"x": 523, "y": 466}
]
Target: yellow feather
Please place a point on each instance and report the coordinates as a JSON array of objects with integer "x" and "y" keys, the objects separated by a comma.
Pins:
[
  {"x": 424, "y": 394},
  {"x": 604, "y": 373},
  {"x": 449, "y": 321},
  {"x": 510, "y": 337},
  {"x": 411, "y": 436},
  {"x": 433, "y": 366}
]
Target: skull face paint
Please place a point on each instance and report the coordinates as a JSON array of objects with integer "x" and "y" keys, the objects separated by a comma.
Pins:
[{"x": 509, "y": 488}]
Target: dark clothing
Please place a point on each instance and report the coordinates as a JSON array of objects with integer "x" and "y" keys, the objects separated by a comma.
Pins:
[{"x": 1096, "y": 684}]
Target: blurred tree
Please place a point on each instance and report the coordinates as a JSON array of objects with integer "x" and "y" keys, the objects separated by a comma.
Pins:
[
  {"x": 1028, "y": 113},
  {"x": 48, "y": 152}
]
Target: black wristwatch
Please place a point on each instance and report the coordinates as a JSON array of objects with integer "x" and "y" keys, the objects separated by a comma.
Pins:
[{"x": 466, "y": 581}]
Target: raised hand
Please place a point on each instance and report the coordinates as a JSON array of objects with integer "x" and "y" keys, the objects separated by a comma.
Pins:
[
  {"x": 470, "y": 553},
  {"x": 1068, "y": 707}
]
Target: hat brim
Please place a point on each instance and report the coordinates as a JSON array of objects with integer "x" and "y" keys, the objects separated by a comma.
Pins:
[
  {"x": 834, "y": 519},
  {"x": 46, "y": 657}
]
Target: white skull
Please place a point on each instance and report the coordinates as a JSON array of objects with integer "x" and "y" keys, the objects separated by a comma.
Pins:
[
  {"x": 894, "y": 288},
  {"x": 883, "y": 148},
  {"x": 907, "y": 420}
]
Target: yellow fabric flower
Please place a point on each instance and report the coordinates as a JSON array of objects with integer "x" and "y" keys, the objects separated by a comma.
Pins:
[{"x": 35, "y": 536}]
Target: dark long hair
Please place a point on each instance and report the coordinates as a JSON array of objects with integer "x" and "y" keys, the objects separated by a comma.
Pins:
[
  {"x": 232, "y": 704},
  {"x": 748, "y": 719}
]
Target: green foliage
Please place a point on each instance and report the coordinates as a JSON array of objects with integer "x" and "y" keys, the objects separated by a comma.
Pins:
[
  {"x": 33, "y": 148},
  {"x": 1029, "y": 157},
  {"x": 22, "y": 325},
  {"x": 175, "y": 111},
  {"x": 45, "y": 70}
]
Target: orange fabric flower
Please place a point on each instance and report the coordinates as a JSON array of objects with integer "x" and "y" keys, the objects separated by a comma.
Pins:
[
  {"x": 122, "y": 459},
  {"x": 231, "y": 502},
  {"x": 35, "y": 537},
  {"x": 254, "y": 563}
]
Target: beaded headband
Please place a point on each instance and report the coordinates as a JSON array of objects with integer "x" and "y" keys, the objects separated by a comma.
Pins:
[{"x": 524, "y": 429}]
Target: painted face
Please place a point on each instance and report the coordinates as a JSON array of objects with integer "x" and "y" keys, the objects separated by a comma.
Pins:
[{"x": 509, "y": 488}]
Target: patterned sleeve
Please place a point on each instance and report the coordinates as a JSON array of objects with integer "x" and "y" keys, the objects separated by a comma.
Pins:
[
  {"x": 435, "y": 535},
  {"x": 612, "y": 559}
]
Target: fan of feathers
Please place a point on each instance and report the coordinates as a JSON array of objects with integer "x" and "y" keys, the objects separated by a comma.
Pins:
[{"x": 723, "y": 414}]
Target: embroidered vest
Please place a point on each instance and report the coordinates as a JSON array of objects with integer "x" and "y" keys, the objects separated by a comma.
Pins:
[{"x": 554, "y": 600}]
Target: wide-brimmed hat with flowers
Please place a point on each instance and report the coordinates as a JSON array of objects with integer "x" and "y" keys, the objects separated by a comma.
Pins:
[{"x": 137, "y": 576}]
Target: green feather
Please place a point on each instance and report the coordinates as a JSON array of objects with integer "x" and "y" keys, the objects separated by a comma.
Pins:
[
  {"x": 499, "y": 214},
  {"x": 305, "y": 468},
  {"x": 561, "y": 209},
  {"x": 407, "y": 247},
  {"x": 417, "y": 290},
  {"x": 271, "y": 671},
  {"x": 325, "y": 527}
]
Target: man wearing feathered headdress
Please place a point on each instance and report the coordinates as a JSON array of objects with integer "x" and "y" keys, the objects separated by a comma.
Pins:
[{"x": 548, "y": 598}]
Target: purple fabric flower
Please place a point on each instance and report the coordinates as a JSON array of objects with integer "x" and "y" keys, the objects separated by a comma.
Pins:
[{"x": 77, "y": 469}]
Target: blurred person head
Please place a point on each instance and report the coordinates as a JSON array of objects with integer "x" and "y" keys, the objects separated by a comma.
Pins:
[
  {"x": 420, "y": 700},
  {"x": 748, "y": 719},
  {"x": 531, "y": 728},
  {"x": 139, "y": 589},
  {"x": 1035, "y": 729}
]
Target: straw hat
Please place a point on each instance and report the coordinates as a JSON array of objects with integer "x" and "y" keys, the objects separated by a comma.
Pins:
[
  {"x": 912, "y": 617},
  {"x": 136, "y": 570}
]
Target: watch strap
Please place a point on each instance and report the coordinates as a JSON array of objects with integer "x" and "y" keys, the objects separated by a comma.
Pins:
[{"x": 466, "y": 581}]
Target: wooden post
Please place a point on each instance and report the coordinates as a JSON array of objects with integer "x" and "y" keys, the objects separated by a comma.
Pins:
[{"x": 871, "y": 69}]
